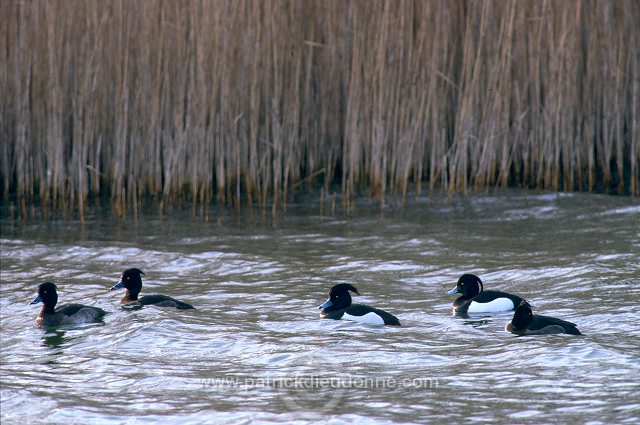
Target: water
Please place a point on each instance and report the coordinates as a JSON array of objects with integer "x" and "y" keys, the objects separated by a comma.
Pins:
[{"x": 255, "y": 351}]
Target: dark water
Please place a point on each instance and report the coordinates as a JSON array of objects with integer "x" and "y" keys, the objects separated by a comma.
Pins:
[{"x": 255, "y": 351}]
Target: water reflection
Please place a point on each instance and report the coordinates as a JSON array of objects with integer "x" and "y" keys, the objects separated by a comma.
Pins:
[
  {"x": 478, "y": 323},
  {"x": 54, "y": 338}
]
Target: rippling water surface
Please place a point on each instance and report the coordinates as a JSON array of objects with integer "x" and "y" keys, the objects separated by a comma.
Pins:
[{"x": 255, "y": 350}]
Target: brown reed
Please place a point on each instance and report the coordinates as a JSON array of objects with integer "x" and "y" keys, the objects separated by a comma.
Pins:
[{"x": 247, "y": 100}]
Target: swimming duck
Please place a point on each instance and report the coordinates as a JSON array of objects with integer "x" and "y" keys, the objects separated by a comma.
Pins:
[
  {"x": 524, "y": 322},
  {"x": 132, "y": 282},
  {"x": 475, "y": 299},
  {"x": 65, "y": 314},
  {"x": 339, "y": 306}
]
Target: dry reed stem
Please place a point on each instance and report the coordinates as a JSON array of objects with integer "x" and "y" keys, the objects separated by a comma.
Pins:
[{"x": 242, "y": 101}]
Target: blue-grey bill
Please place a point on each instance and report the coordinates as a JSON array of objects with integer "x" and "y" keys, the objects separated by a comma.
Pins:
[
  {"x": 118, "y": 285},
  {"x": 36, "y": 300},
  {"x": 453, "y": 291},
  {"x": 326, "y": 304}
]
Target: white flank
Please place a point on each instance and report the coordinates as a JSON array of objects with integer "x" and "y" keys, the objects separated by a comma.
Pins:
[
  {"x": 499, "y": 304},
  {"x": 370, "y": 318}
]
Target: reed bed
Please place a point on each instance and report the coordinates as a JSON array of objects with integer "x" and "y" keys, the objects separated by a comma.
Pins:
[{"x": 248, "y": 100}]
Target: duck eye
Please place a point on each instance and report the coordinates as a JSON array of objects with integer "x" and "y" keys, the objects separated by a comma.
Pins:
[{"x": 129, "y": 278}]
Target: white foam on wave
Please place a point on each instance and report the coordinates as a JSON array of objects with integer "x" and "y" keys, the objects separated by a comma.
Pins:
[{"x": 634, "y": 209}]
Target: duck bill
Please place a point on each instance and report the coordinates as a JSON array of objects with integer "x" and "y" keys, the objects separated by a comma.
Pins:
[
  {"x": 118, "y": 285},
  {"x": 36, "y": 300},
  {"x": 326, "y": 304},
  {"x": 453, "y": 291}
]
